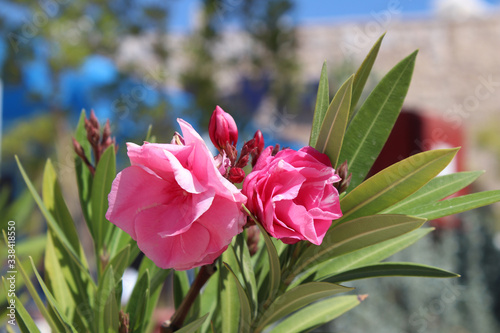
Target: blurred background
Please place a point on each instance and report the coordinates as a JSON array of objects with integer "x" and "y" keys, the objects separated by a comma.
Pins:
[{"x": 142, "y": 62}]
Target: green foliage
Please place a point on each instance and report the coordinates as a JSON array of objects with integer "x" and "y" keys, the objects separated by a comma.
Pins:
[
  {"x": 283, "y": 288},
  {"x": 75, "y": 300}
]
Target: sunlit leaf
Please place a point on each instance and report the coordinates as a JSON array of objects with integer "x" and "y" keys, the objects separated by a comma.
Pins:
[
  {"x": 193, "y": 326},
  {"x": 332, "y": 131},
  {"x": 368, "y": 255},
  {"x": 354, "y": 235},
  {"x": 437, "y": 189},
  {"x": 297, "y": 298},
  {"x": 371, "y": 126},
  {"x": 456, "y": 205},
  {"x": 394, "y": 183},
  {"x": 317, "y": 314},
  {"x": 362, "y": 74},
  {"x": 245, "y": 310},
  {"x": 322, "y": 101}
]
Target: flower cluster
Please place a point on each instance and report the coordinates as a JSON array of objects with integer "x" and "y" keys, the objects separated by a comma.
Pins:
[{"x": 180, "y": 204}]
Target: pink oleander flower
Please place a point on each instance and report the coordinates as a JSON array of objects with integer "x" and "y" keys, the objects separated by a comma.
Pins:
[
  {"x": 292, "y": 194},
  {"x": 222, "y": 129},
  {"x": 175, "y": 203}
]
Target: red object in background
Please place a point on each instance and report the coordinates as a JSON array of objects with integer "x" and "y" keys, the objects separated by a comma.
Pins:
[{"x": 415, "y": 132}]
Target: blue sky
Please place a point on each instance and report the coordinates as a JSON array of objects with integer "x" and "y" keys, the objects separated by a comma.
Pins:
[{"x": 313, "y": 10}]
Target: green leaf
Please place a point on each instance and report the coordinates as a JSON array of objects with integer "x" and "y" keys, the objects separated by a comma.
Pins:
[
  {"x": 371, "y": 126},
  {"x": 70, "y": 285},
  {"x": 228, "y": 297},
  {"x": 83, "y": 175},
  {"x": 297, "y": 298},
  {"x": 207, "y": 304},
  {"x": 120, "y": 262},
  {"x": 119, "y": 240},
  {"x": 193, "y": 326},
  {"x": 63, "y": 280},
  {"x": 317, "y": 314},
  {"x": 181, "y": 287},
  {"x": 354, "y": 235},
  {"x": 456, "y": 205},
  {"x": 274, "y": 275},
  {"x": 64, "y": 324},
  {"x": 362, "y": 74},
  {"x": 332, "y": 131},
  {"x": 245, "y": 310},
  {"x": 49, "y": 317},
  {"x": 394, "y": 183},
  {"x": 106, "y": 310},
  {"x": 137, "y": 304},
  {"x": 52, "y": 223},
  {"x": 23, "y": 318},
  {"x": 103, "y": 178},
  {"x": 54, "y": 201},
  {"x": 368, "y": 255},
  {"x": 246, "y": 268},
  {"x": 322, "y": 101},
  {"x": 437, "y": 189},
  {"x": 391, "y": 269},
  {"x": 156, "y": 280}
]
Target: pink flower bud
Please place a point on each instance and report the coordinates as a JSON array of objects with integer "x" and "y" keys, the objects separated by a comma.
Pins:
[
  {"x": 259, "y": 141},
  {"x": 236, "y": 175},
  {"x": 222, "y": 129}
]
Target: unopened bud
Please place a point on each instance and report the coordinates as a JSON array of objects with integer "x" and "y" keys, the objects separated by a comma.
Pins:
[
  {"x": 222, "y": 129},
  {"x": 236, "y": 175},
  {"x": 259, "y": 146}
]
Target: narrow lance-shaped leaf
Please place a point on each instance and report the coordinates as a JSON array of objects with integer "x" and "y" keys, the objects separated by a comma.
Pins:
[
  {"x": 49, "y": 218},
  {"x": 64, "y": 324},
  {"x": 194, "y": 326},
  {"x": 23, "y": 318},
  {"x": 371, "y": 126},
  {"x": 391, "y": 269},
  {"x": 318, "y": 313},
  {"x": 354, "y": 235},
  {"x": 297, "y": 298},
  {"x": 181, "y": 287},
  {"x": 322, "y": 101},
  {"x": 437, "y": 189},
  {"x": 54, "y": 201},
  {"x": 83, "y": 175},
  {"x": 456, "y": 205},
  {"x": 106, "y": 310},
  {"x": 334, "y": 125},
  {"x": 362, "y": 74},
  {"x": 50, "y": 318},
  {"x": 394, "y": 183},
  {"x": 274, "y": 261},
  {"x": 103, "y": 178},
  {"x": 247, "y": 271},
  {"x": 137, "y": 304},
  {"x": 228, "y": 296},
  {"x": 368, "y": 255},
  {"x": 245, "y": 310}
]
